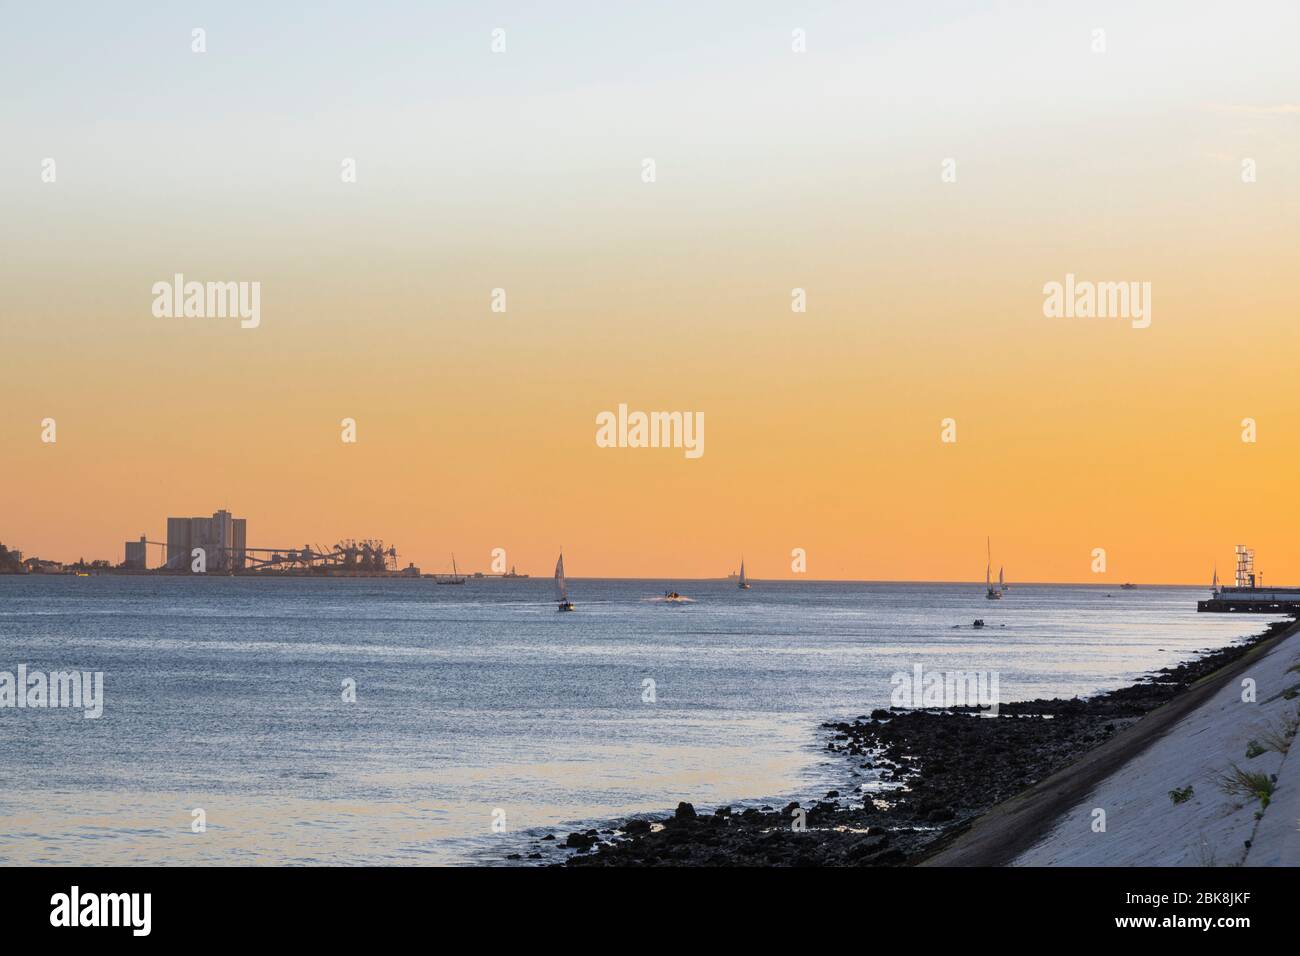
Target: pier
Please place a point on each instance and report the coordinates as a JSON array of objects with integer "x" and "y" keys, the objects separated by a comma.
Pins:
[
  {"x": 1248, "y": 594},
  {"x": 1253, "y": 601}
]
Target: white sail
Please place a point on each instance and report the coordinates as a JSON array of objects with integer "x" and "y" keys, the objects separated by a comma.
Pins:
[
  {"x": 742, "y": 570},
  {"x": 1214, "y": 584},
  {"x": 561, "y": 589}
]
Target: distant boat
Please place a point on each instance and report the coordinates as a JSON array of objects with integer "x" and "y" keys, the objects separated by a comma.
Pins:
[
  {"x": 1128, "y": 587},
  {"x": 1214, "y": 582},
  {"x": 561, "y": 588},
  {"x": 990, "y": 592},
  {"x": 512, "y": 573},
  {"x": 743, "y": 584},
  {"x": 1002, "y": 581},
  {"x": 454, "y": 578}
]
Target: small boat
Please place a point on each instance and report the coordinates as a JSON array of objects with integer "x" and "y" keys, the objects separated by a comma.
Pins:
[
  {"x": 1002, "y": 581},
  {"x": 672, "y": 597},
  {"x": 512, "y": 573},
  {"x": 454, "y": 578},
  {"x": 743, "y": 584},
  {"x": 979, "y": 622},
  {"x": 1128, "y": 587},
  {"x": 562, "y": 588},
  {"x": 990, "y": 592}
]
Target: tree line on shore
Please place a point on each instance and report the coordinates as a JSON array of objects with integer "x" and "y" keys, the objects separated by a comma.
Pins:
[{"x": 12, "y": 562}]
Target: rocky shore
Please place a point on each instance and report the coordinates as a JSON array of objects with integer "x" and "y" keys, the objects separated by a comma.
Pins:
[{"x": 914, "y": 778}]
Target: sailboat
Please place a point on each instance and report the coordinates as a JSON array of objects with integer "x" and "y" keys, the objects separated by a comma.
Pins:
[
  {"x": 1214, "y": 582},
  {"x": 990, "y": 592},
  {"x": 1002, "y": 580},
  {"x": 743, "y": 584},
  {"x": 454, "y": 578},
  {"x": 561, "y": 588}
]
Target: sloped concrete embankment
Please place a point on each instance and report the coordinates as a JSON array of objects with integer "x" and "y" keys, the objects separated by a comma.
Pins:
[
  {"x": 1166, "y": 790},
  {"x": 1221, "y": 787}
]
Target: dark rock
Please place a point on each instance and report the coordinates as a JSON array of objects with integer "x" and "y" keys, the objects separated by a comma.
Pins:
[{"x": 865, "y": 848}]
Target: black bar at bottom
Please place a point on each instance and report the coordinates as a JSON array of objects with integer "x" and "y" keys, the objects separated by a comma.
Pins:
[{"x": 332, "y": 906}]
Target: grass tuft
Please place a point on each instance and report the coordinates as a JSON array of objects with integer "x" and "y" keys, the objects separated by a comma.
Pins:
[
  {"x": 1247, "y": 783},
  {"x": 1280, "y": 734}
]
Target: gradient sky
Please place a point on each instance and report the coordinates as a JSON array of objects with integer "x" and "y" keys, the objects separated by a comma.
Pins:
[{"x": 775, "y": 170}]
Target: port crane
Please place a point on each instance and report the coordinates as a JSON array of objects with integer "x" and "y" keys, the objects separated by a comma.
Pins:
[
  {"x": 349, "y": 555},
  {"x": 368, "y": 555},
  {"x": 163, "y": 554}
]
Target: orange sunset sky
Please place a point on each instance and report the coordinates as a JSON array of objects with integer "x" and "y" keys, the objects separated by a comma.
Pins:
[{"x": 775, "y": 170}]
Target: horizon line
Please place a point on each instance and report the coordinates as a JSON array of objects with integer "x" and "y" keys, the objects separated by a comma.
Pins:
[{"x": 469, "y": 575}]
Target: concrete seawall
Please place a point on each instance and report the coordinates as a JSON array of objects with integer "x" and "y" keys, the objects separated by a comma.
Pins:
[{"x": 1195, "y": 742}]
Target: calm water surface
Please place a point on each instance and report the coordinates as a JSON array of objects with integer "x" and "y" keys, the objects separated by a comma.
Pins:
[{"x": 225, "y": 694}]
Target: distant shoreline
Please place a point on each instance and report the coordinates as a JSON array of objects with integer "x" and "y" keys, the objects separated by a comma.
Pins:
[
  {"x": 259, "y": 575},
  {"x": 472, "y": 576}
]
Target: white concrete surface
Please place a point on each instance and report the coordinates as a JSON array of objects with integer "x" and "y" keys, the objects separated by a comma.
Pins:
[
  {"x": 1277, "y": 838},
  {"x": 1144, "y": 827}
]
